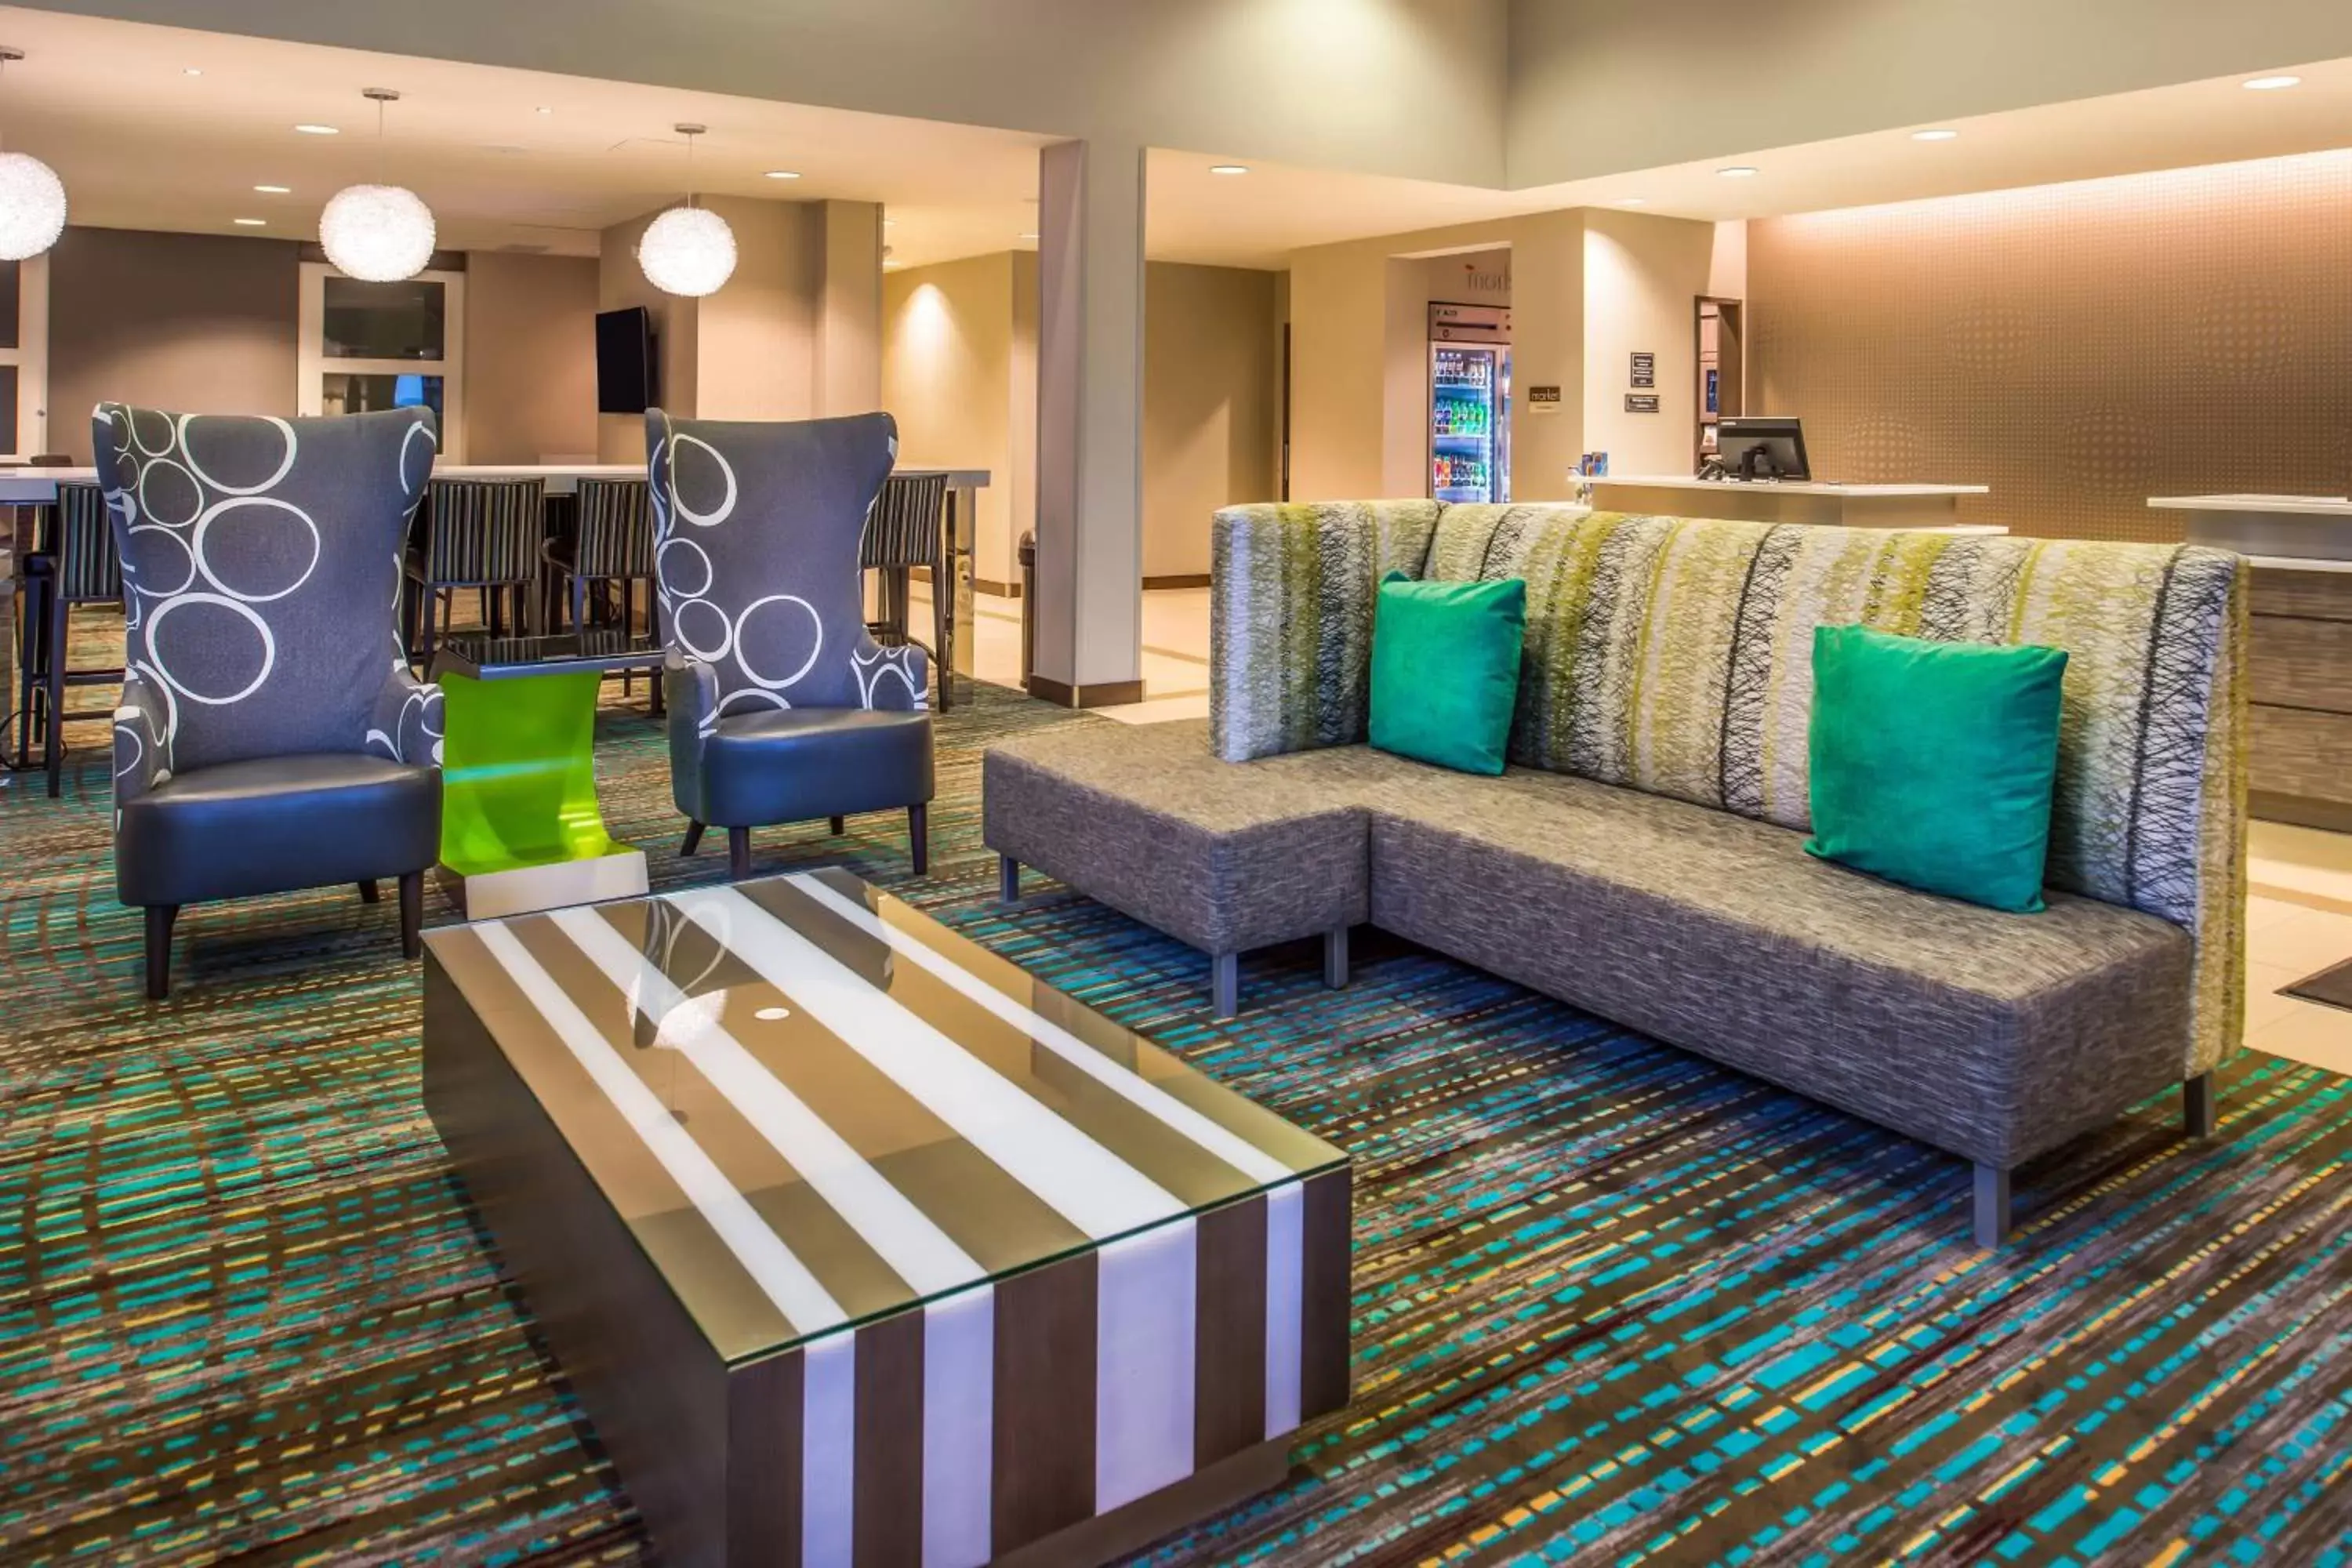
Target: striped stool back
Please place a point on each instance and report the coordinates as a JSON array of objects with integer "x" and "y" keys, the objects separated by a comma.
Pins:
[
  {"x": 908, "y": 524},
  {"x": 89, "y": 571},
  {"x": 484, "y": 531},
  {"x": 616, "y": 530}
]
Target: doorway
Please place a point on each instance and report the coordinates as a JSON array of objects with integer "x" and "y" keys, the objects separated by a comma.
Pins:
[{"x": 1722, "y": 370}]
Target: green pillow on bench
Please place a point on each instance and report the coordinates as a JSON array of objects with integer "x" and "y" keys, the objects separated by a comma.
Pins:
[
  {"x": 1933, "y": 763},
  {"x": 1445, "y": 670}
]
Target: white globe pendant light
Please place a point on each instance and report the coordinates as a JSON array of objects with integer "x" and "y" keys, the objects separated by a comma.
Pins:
[
  {"x": 377, "y": 233},
  {"x": 687, "y": 250},
  {"x": 32, "y": 199}
]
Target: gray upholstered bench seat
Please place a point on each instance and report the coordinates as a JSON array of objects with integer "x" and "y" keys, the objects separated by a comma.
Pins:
[
  {"x": 1983, "y": 1033},
  {"x": 1225, "y": 858}
]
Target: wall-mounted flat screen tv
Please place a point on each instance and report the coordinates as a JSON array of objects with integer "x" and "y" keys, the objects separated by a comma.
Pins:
[{"x": 625, "y": 381}]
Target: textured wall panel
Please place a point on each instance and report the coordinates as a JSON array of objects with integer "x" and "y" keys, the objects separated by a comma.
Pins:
[{"x": 2078, "y": 347}]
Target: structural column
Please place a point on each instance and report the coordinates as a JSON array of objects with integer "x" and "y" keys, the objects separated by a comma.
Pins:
[{"x": 1090, "y": 608}]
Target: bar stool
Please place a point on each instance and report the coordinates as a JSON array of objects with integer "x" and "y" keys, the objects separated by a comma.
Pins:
[
  {"x": 473, "y": 533},
  {"x": 907, "y": 529},
  {"x": 613, "y": 543},
  {"x": 76, "y": 564}
]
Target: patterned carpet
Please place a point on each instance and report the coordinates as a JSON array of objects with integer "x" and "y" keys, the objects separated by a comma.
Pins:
[{"x": 1613, "y": 1304}]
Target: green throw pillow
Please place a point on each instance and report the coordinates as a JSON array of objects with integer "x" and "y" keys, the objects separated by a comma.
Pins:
[
  {"x": 1445, "y": 670},
  {"x": 1933, "y": 763}
]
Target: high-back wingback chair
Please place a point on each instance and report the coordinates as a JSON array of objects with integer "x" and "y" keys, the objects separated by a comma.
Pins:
[
  {"x": 782, "y": 707},
  {"x": 270, "y": 735}
]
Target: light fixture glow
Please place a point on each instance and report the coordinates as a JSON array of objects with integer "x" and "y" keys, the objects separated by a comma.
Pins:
[
  {"x": 1229, "y": 168},
  {"x": 307, "y": 129},
  {"x": 275, "y": 190},
  {"x": 192, "y": 71},
  {"x": 250, "y": 222},
  {"x": 2271, "y": 83},
  {"x": 544, "y": 109},
  {"x": 1024, "y": 236},
  {"x": 1632, "y": 201},
  {"x": 32, "y": 199},
  {"x": 687, "y": 250},
  {"x": 1934, "y": 135},
  {"x": 1737, "y": 172},
  {"x": 377, "y": 233},
  {"x": 784, "y": 174}
]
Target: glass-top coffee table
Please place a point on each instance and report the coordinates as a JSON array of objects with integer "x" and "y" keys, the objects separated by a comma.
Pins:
[
  {"x": 521, "y": 828},
  {"x": 859, "y": 1243}
]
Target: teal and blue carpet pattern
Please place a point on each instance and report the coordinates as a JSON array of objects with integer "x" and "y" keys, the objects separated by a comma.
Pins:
[{"x": 1612, "y": 1304}]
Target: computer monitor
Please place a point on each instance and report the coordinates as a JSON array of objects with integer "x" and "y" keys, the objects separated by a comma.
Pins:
[{"x": 1759, "y": 447}]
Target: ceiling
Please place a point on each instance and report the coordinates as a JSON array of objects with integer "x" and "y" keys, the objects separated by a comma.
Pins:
[{"x": 157, "y": 127}]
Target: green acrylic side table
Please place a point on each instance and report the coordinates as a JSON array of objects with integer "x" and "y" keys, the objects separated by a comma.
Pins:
[{"x": 521, "y": 828}]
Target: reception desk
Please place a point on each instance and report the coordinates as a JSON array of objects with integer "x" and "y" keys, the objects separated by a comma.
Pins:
[
  {"x": 2300, "y": 675},
  {"x": 1766, "y": 501}
]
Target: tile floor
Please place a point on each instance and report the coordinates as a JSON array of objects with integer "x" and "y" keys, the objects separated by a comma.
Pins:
[{"x": 2299, "y": 913}]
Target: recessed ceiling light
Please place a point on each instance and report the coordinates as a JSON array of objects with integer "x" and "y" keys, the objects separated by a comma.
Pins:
[
  {"x": 1934, "y": 135},
  {"x": 543, "y": 109},
  {"x": 2271, "y": 83},
  {"x": 1229, "y": 168},
  {"x": 192, "y": 71},
  {"x": 773, "y": 1015},
  {"x": 275, "y": 190},
  {"x": 1024, "y": 236},
  {"x": 784, "y": 174},
  {"x": 1632, "y": 201},
  {"x": 889, "y": 223},
  {"x": 308, "y": 129},
  {"x": 250, "y": 222},
  {"x": 1737, "y": 172}
]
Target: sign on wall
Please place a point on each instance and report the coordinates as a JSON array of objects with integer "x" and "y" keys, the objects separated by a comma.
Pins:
[
  {"x": 1543, "y": 400},
  {"x": 1645, "y": 370},
  {"x": 1641, "y": 403}
]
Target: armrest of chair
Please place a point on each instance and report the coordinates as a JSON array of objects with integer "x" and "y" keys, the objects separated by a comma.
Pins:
[
  {"x": 142, "y": 740},
  {"x": 405, "y": 723},
  {"x": 895, "y": 678},
  {"x": 690, "y": 693}
]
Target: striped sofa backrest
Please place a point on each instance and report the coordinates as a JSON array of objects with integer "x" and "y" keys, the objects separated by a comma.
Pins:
[{"x": 1674, "y": 656}]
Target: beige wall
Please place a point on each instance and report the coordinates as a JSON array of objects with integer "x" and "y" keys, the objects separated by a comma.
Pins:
[
  {"x": 947, "y": 377},
  {"x": 1211, "y": 343},
  {"x": 1643, "y": 278},
  {"x": 2079, "y": 347},
  {"x": 958, "y": 373},
  {"x": 201, "y": 322},
  {"x": 531, "y": 357},
  {"x": 1598, "y": 88}
]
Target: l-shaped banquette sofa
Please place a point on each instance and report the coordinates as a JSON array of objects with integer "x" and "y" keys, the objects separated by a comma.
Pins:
[{"x": 1643, "y": 855}]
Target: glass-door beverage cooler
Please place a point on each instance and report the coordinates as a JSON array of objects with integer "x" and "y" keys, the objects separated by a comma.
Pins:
[{"x": 1469, "y": 403}]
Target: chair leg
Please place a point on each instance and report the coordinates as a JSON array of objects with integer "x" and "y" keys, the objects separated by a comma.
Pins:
[
  {"x": 738, "y": 853},
  {"x": 54, "y": 752},
  {"x": 1335, "y": 958},
  {"x": 693, "y": 838},
  {"x": 1008, "y": 878},
  {"x": 159, "y": 950},
  {"x": 2202, "y": 1104},
  {"x": 839, "y": 825},
  {"x": 370, "y": 893},
  {"x": 412, "y": 914},
  {"x": 1225, "y": 985},
  {"x": 1992, "y": 1207},
  {"x": 29, "y": 652},
  {"x": 652, "y": 630},
  {"x": 918, "y": 837}
]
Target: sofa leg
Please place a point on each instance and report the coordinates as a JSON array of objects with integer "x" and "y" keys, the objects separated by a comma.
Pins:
[
  {"x": 1335, "y": 958},
  {"x": 159, "y": 950},
  {"x": 738, "y": 853},
  {"x": 2203, "y": 1106},
  {"x": 918, "y": 837},
  {"x": 838, "y": 824},
  {"x": 1008, "y": 878},
  {"x": 370, "y": 893},
  {"x": 412, "y": 914},
  {"x": 1225, "y": 985},
  {"x": 693, "y": 838},
  {"x": 1992, "y": 1205}
]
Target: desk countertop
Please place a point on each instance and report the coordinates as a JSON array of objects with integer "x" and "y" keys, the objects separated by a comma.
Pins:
[
  {"x": 1791, "y": 487},
  {"x": 2268, "y": 505}
]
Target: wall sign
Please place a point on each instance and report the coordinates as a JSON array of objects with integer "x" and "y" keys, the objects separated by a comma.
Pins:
[
  {"x": 1641, "y": 403},
  {"x": 1645, "y": 370},
  {"x": 1543, "y": 400}
]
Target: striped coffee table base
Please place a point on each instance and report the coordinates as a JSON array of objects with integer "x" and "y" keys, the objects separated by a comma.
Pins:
[{"x": 1065, "y": 1409}]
